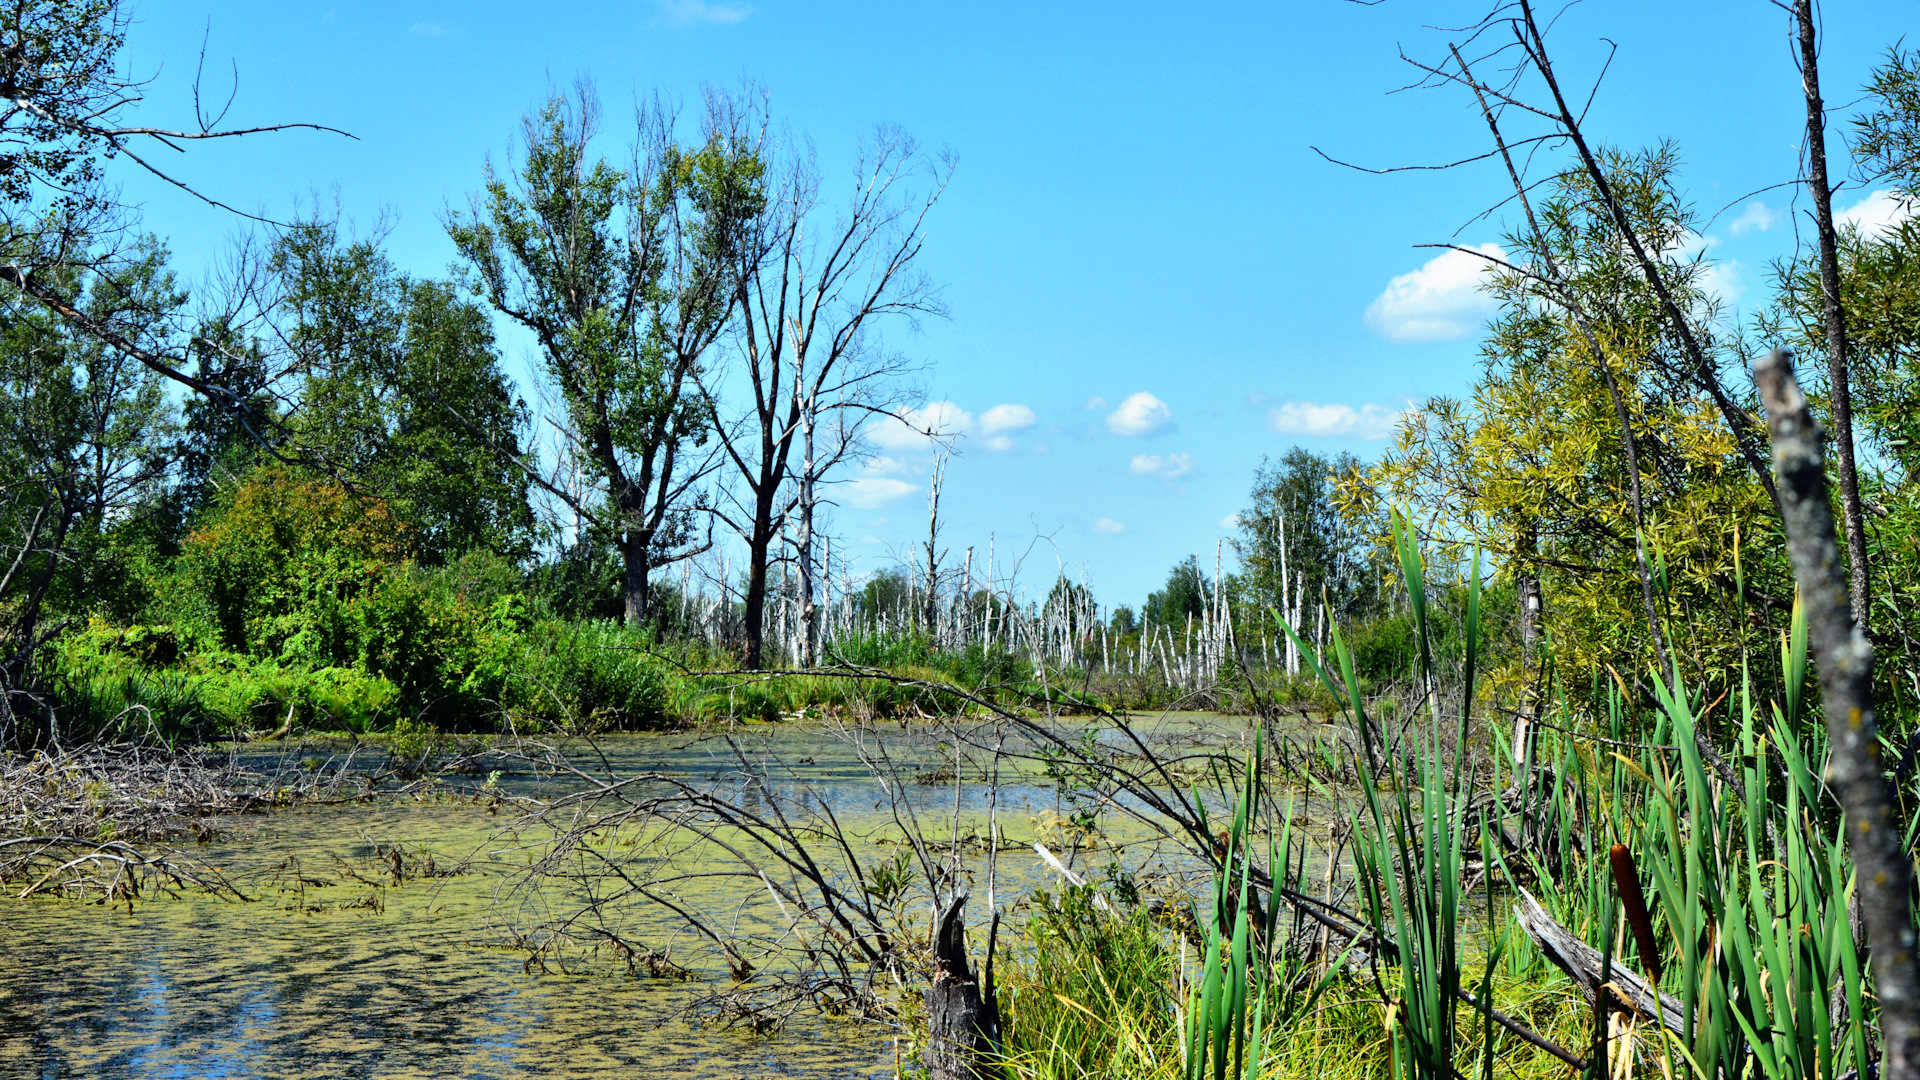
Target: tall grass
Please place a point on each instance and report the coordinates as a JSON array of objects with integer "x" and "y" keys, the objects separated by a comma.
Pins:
[
  {"x": 1747, "y": 934},
  {"x": 1750, "y": 880}
]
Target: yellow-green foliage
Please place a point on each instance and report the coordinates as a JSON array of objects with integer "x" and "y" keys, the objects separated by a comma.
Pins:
[
  {"x": 282, "y": 544},
  {"x": 1533, "y": 467}
]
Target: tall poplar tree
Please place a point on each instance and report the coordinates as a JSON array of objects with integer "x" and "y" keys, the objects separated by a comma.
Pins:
[{"x": 625, "y": 278}]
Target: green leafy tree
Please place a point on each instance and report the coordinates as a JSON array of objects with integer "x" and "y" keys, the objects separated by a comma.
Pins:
[
  {"x": 281, "y": 552},
  {"x": 626, "y": 279},
  {"x": 1879, "y": 279},
  {"x": 401, "y": 390},
  {"x": 1185, "y": 596},
  {"x": 1533, "y": 465},
  {"x": 1887, "y": 132},
  {"x": 85, "y": 440},
  {"x": 1296, "y": 546}
]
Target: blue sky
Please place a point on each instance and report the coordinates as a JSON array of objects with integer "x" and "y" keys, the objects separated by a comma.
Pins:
[{"x": 1153, "y": 279}]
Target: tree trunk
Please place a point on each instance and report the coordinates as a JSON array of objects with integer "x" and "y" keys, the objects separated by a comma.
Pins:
[
  {"x": 933, "y": 550},
  {"x": 1836, "y": 318},
  {"x": 804, "y": 542},
  {"x": 756, "y": 605},
  {"x": 963, "y": 1016},
  {"x": 1845, "y": 661},
  {"x": 633, "y": 557},
  {"x": 1526, "y": 586}
]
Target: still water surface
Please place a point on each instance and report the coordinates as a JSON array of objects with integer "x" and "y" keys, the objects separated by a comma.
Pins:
[{"x": 334, "y": 971}]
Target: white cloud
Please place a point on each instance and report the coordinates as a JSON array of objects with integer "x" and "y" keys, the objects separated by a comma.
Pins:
[
  {"x": 1722, "y": 280},
  {"x": 1002, "y": 419},
  {"x": 1154, "y": 465},
  {"x": 1109, "y": 526},
  {"x": 1231, "y": 521},
  {"x": 688, "y": 12},
  {"x": 1140, "y": 414},
  {"x": 882, "y": 465},
  {"x": 1094, "y": 403},
  {"x": 427, "y": 30},
  {"x": 1369, "y": 421},
  {"x": 908, "y": 428},
  {"x": 873, "y": 492},
  {"x": 1876, "y": 213},
  {"x": 999, "y": 422},
  {"x": 1757, "y": 217},
  {"x": 1442, "y": 301},
  {"x": 1692, "y": 243}
]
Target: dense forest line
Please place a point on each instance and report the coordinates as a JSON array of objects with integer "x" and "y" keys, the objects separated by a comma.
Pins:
[{"x": 348, "y": 523}]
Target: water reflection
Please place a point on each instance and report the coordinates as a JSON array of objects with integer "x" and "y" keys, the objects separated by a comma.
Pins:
[{"x": 353, "y": 977}]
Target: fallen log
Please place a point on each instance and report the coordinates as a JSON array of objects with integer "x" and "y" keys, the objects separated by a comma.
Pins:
[{"x": 1625, "y": 990}]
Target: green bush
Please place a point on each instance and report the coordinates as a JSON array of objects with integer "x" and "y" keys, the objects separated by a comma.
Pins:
[
  {"x": 596, "y": 674},
  {"x": 151, "y": 680}
]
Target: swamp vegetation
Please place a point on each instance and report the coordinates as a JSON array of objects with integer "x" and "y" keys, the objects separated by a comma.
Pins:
[{"x": 352, "y": 724}]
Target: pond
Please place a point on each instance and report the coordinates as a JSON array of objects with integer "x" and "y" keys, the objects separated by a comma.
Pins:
[{"x": 338, "y": 969}]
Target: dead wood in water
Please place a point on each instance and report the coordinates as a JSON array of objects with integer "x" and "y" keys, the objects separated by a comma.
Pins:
[
  {"x": 70, "y": 822},
  {"x": 129, "y": 793},
  {"x": 108, "y": 871},
  {"x": 1624, "y": 990},
  {"x": 93, "y": 821},
  {"x": 963, "y": 1014},
  {"x": 751, "y": 861}
]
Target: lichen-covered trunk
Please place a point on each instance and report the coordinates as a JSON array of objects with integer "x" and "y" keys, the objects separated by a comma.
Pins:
[{"x": 1845, "y": 660}]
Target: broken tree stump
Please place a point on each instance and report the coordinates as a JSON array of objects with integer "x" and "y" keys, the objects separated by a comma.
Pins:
[{"x": 963, "y": 1014}]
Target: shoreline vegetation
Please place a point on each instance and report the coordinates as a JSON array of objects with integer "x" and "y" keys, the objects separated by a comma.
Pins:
[{"x": 1574, "y": 734}]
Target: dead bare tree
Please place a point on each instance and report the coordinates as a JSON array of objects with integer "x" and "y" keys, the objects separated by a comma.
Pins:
[
  {"x": 1839, "y": 389},
  {"x": 932, "y": 547},
  {"x": 1875, "y": 829},
  {"x": 814, "y": 290}
]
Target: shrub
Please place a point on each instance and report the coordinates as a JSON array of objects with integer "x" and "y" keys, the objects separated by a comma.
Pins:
[
  {"x": 147, "y": 680},
  {"x": 281, "y": 554}
]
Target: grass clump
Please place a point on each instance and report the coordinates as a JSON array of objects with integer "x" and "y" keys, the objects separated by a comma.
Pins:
[{"x": 1095, "y": 995}]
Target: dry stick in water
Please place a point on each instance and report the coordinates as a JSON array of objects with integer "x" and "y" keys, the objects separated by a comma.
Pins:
[{"x": 1854, "y": 771}]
